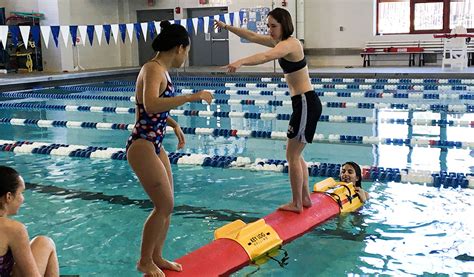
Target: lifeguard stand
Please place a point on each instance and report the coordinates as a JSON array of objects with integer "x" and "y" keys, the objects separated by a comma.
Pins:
[{"x": 455, "y": 49}]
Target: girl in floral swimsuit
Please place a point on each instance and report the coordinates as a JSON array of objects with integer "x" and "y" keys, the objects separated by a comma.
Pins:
[
  {"x": 152, "y": 126},
  {"x": 145, "y": 154}
]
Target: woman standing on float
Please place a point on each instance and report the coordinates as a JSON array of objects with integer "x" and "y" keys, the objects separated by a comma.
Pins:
[
  {"x": 145, "y": 153},
  {"x": 306, "y": 104}
]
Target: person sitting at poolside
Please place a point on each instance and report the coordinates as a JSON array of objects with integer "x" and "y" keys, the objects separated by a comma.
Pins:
[
  {"x": 351, "y": 173},
  {"x": 19, "y": 257}
]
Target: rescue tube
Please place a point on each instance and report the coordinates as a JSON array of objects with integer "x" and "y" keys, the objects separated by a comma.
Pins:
[{"x": 237, "y": 244}]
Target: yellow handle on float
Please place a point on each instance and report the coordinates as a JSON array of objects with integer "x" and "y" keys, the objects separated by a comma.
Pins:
[{"x": 257, "y": 238}]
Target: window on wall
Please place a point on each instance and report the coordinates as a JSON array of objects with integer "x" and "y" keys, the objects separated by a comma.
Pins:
[
  {"x": 393, "y": 17},
  {"x": 423, "y": 16},
  {"x": 428, "y": 16},
  {"x": 461, "y": 13}
]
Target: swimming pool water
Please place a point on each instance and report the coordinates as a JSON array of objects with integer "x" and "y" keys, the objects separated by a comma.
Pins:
[{"x": 94, "y": 209}]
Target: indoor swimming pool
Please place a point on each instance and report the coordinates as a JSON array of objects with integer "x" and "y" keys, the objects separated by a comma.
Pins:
[{"x": 68, "y": 143}]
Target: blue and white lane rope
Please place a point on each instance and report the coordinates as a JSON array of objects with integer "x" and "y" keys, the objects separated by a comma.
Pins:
[
  {"x": 262, "y": 116},
  {"x": 389, "y": 97},
  {"x": 319, "y": 85},
  {"x": 69, "y": 108},
  {"x": 229, "y": 92},
  {"x": 284, "y": 86},
  {"x": 334, "y": 105},
  {"x": 369, "y": 173},
  {"x": 313, "y": 80},
  {"x": 358, "y": 95},
  {"x": 353, "y": 86},
  {"x": 404, "y": 81},
  {"x": 256, "y": 92},
  {"x": 207, "y": 114},
  {"x": 23, "y": 95},
  {"x": 230, "y": 89},
  {"x": 273, "y": 135},
  {"x": 399, "y": 106}
]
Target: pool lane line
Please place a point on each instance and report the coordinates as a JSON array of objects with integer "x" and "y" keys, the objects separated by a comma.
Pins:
[
  {"x": 276, "y": 95},
  {"x": 426, "y": 81},
  {"x": 372, "y": 173},
  {"x": 464, "y": 85},
  {"x": 233, "y": 91},
  {"x": 271, "y": 135},
  {"x": 247, "y": 115}
]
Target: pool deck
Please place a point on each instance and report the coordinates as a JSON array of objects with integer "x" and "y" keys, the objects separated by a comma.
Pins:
[{"x": 18, "y": 81}]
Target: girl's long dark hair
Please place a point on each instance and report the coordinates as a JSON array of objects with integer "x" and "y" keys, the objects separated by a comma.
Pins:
[
  {"x": 8, "y": 181},
  {"x": 358, "y": 172}
]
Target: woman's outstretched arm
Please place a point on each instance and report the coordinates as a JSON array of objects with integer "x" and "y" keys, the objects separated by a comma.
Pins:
[
  {"x": 279, "y": 51},
  {"x": 264, "y": 40}
]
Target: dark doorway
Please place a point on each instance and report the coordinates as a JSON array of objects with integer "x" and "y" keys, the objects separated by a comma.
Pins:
[
  {"x": 145, "y": 52},
  {"x": 212, "y": 48}
]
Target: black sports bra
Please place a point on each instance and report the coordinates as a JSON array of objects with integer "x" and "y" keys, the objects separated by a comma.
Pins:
[{"x": 289, "y": 67}]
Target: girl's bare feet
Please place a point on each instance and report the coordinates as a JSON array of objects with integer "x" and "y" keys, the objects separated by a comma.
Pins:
[
  {"x": 149, "y": 268},
  {"x": 165, "y": 264},
  {"x": 307, "y": 202},
  {"x": 291, "y": 207}
]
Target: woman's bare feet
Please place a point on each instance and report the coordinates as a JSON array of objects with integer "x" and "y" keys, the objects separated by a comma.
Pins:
[
  {"x": 165, "y": 264},
  {"x": 291, "y": 207},
  {"x": 149, "y": 268},
  {"x": 307, "y": 203}
]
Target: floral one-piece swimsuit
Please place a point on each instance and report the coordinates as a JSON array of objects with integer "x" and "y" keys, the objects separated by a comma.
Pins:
[{"x": 152, "y": 126}]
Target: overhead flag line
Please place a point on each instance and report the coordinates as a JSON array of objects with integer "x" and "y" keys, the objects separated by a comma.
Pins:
[{"x": 142, "y": 30}]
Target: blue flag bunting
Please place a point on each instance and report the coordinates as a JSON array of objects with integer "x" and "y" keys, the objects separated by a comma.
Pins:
[
  {"x": 231, "y": 16},
  {"x": 151, "y": 29},
  {"x": 73, "y": 31},
  {"x": 201, "y": 24},
  {"x": 15, "y": 31},
  {"x": 211, "y": 23},
  {"x": 35, "y": 33},
  {"x": 123, "y": 31},
  {"x": 55, "y": 32},
  {"x": 189, "y": 24},
  {"x": 138, "y": 30},
  {"x": 107, "y": 31},
  {"x": 90, "y": 33}
]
